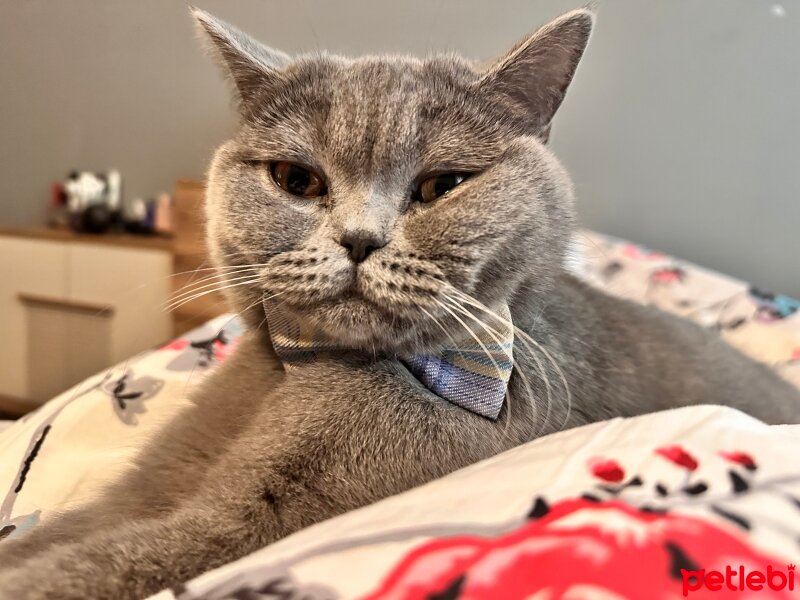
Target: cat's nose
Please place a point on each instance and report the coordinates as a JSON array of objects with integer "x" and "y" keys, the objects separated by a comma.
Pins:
[{"x": 360, "y": 243}]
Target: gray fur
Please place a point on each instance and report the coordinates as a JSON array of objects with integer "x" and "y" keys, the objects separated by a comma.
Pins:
[{"x": 263, "y": 453}]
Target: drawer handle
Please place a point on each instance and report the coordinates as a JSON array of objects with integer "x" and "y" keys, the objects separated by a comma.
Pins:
[{"x": 75, "y": 306}]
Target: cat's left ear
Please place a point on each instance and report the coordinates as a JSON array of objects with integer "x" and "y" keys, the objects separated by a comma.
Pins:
[{"x": 535, "y": 74}]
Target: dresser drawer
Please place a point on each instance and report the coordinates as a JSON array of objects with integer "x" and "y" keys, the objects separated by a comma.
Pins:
[{"x": 27, "y": 266}]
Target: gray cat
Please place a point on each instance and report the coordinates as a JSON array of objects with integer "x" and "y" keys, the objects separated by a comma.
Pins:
[{"x": 388, "y": 202}]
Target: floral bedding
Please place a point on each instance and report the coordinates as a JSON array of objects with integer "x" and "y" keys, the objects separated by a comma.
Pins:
[
  {"x": 698, "y": 502},
  {"x": 644, "y": 508}
]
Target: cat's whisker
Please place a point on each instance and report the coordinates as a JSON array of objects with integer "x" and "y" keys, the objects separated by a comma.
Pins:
[
  {"x": 175, "y": 305},
  {"x": 548, "y": 387},
  {"x": 496, "y": 336},
  {"x": 456, "y": 347},
  {"x": 182, "y": 294},
  {"x": 443, "y": 328},
  {"x": 488, "y": 354},
  {"x": 200, "y": 291},
  {"x": 532, "y": 342},
  {"x": 523, "y": 337},
  {"x": 218, "y": 268},
  {"x": 199, "y": 284},
  {"x": 194, "y": 275},
  {"x": 220, "y": 272},
  {"x": 196, "y": 285},
  {"x": 263, "y": 299},
  {"x": 509, "y": 354},
  {"x": 568, "y": 392},
  {"x": 529, "y": 340}
]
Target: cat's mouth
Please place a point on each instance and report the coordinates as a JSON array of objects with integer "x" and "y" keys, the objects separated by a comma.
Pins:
[
  {"x": 355, "y": 321},
  {"x": 388, "y": 305}
]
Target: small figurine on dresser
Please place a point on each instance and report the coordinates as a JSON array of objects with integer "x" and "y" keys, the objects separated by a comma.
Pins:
[
  {"x": 152, "y": 216},
  {"x": 91, "y": 201}
]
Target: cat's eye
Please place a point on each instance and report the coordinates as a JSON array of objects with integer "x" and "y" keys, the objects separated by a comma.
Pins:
[
  {"x": 438, "y": 185},
  {"x": 297, "y": 179}
]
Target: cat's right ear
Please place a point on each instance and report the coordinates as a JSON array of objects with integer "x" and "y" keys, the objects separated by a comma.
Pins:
[
  {"x": 249, "y": 64},
  {"x": 535, "y": 74}
]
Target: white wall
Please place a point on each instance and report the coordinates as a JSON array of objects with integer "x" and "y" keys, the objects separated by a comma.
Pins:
[{"x": 681, "y": 130}]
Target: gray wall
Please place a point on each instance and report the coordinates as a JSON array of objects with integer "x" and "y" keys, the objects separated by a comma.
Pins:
[{"x": 681, "y": 129}]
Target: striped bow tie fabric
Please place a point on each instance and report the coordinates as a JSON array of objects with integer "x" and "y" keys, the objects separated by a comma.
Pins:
[{"x": 472, "y": 372}]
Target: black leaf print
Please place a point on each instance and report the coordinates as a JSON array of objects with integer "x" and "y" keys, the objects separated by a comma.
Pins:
[
  {"x": 732, "y": 517},
  {"x": 738, "y": 483},
  {"x": 590, "y": 497},
  {"x": 736, "y": 323},
  {"x": 121, "y": 396},
  {"x": 611, "y": 269},
  {"x": 761, "y": 294},
  {"x": 540, "y": 508},
  {"x": 452, "y": 592},
  {"x": 280, "y": 589},
  {"x": 616, "y": 489},
  {"x": 696, "y": 489},
  {"x": 653, "y": 510},
  {"x": 206, "y": 347},
  {"x": 678, "y": 559},
  {"x": 661, "y": 489},
  {"x": 6, "y": 531},
  {"x": 26, "y": 466},
  {"x": 793, "y": 500}
]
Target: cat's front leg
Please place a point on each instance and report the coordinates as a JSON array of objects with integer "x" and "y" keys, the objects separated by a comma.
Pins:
[
  {"x": 342, "y": 433},
  {"x": 133, "y": 561}
]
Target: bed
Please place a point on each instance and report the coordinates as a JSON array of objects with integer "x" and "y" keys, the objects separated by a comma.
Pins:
[{"x": 627, "y": 508}]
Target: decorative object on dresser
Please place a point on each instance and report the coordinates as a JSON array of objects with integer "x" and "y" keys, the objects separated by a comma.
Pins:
[{"x": 190, "y": 255}]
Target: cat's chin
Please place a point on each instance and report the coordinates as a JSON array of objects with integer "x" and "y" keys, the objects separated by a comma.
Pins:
[{"x": 358, "y": 323}]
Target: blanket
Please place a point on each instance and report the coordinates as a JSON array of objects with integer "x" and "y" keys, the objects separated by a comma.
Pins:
[{"x": 579, "y": 501}]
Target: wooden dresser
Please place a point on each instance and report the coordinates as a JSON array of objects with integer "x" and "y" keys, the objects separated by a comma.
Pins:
[{"x": 73, "y": 304}]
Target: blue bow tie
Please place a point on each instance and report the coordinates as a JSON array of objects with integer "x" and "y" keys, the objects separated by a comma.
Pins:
[{"x": 472, "y": 373}]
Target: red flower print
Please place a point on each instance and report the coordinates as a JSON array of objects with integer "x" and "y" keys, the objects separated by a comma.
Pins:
[
  {"x": 667, "y": 275},
  {"x": 606, "y": 469},
  {"x": 795, "y": 354},
  {"x": 175, "y": 345},
  {"x": 639, "y": 253},
  {"x": 579, "y": 549},
  {"x": 740, "y": 458},
  {"x": 222, "y": 350},
  {"x": 679, "y": 456}
]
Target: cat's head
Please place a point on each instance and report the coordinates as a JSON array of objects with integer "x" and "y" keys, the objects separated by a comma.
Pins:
[{"x": 375, "y": 193}]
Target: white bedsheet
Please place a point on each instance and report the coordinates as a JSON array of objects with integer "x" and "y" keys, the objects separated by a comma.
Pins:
[{"x": 80, "y": 442}]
